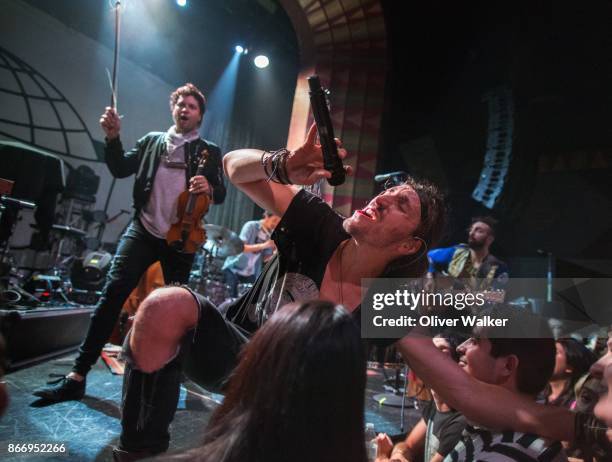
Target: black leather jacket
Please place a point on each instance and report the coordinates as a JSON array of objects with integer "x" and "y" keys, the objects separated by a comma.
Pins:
[{"x": 144, "y": 158}]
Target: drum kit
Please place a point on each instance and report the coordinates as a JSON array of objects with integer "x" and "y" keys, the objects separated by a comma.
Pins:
[
  {"x": 206, "y": 276},
  {"x": 15, "y": 287}
]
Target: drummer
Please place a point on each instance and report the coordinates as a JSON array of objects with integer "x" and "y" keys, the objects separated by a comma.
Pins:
[{"x": 258, "y": 249}]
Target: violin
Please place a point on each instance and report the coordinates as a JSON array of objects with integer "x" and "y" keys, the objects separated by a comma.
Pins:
[{"x": 187, "y": 234}]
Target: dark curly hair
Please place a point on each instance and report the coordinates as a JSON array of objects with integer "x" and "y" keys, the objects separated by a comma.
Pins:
[{"x": 189, "y": 89}]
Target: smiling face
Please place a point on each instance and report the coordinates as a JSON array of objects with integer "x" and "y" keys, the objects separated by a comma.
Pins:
[
  {"x": 389, "y": 218},
  {"x": 476, "y": 359},
  {"x": 186, "y": 114}
]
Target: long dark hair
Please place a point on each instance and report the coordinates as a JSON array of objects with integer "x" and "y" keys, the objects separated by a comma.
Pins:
[
  {"x": 430, "y": 230},
  {"x": 580, "y": 359},
  {"x": 297, "y": 393}
]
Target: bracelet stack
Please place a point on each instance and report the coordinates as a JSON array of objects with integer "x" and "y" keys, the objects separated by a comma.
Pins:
[{"x": 275, "y": 166}]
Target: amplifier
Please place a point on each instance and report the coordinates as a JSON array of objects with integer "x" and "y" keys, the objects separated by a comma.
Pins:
[{"x": 36, "y": 334}]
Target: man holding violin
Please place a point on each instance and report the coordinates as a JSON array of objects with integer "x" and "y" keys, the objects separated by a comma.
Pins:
[{"x": 165, "y": 165}]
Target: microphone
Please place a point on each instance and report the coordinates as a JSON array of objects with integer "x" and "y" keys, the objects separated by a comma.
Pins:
[
  {"x": 397, "y": 177},
  {"x": 331, "y": 160}
]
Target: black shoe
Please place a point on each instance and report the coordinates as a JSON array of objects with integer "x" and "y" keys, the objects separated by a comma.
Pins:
[{"x": 63, "y": 389}]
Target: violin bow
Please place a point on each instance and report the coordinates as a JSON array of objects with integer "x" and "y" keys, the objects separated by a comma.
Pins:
[{"x": 113, "y": 82}]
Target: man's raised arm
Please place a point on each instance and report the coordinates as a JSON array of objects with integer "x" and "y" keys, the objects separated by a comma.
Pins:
[{"x": 488, "y": 405}]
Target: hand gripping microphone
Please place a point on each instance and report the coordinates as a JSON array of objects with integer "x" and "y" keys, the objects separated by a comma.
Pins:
[{"x": 320, "y": 110}]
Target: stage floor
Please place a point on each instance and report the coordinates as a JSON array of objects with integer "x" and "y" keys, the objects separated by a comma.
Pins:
[{"x": 90, "y": 428}]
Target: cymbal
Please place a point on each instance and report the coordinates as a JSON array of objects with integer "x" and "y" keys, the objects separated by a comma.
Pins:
[
  {"x": 68, "y": 230},
  {"x": 222, "y": 242}
]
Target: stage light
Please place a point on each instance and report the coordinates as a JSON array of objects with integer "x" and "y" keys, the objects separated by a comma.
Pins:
[
  {"x": 181, "y": 2},
  {"x": 239, "y": 49},
  {"x": 261, "y": 61}
]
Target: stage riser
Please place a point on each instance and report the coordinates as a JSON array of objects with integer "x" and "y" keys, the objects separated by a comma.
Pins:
[{"x": 34, "y": 335}]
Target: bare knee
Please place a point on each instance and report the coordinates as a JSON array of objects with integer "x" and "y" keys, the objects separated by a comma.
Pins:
[{"x": 162, "y": 320}]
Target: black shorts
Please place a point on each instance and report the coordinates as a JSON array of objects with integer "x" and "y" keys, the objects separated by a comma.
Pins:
[{"x": 210, "y": 350}]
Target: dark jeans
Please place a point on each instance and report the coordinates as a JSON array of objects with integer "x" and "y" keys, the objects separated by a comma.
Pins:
[
  {"x": 137, "y": 250},
  {"x": 232, "y": 280},
  {"x": 208, "y": 354}
]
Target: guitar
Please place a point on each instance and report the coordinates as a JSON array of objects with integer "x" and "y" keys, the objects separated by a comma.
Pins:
[{"x": 445, "y": 283}]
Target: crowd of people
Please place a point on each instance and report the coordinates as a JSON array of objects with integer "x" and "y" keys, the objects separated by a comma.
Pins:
[{"x": 287, "y": 353}]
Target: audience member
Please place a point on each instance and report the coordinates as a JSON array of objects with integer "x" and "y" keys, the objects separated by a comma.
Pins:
[
  {"x": 572, "y": 361},
  {"x": 602, "y": 369},
  {"x": 297, "y": 393},
  {"x": 523, "y": 367},
  {"x": 504, "y": 375},
  {"x": 438, "y": 431},
  {"x": 588, "y": 390}
]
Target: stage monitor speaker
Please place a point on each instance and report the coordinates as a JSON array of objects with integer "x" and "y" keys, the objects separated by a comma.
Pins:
[
  {"x": 36, "y": 334},
  {"x": 90, "y": 273}
]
